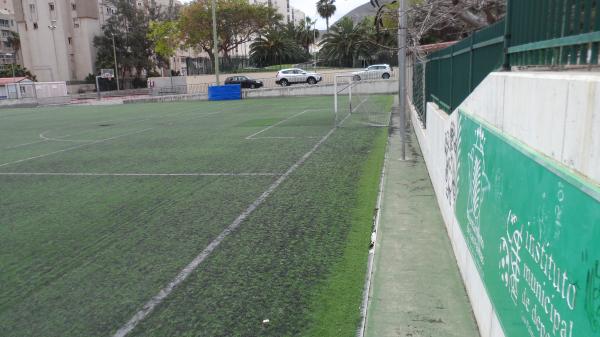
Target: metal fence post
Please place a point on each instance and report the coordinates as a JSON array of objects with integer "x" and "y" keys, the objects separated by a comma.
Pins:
[
  {"x": 471, "y": 57},
  {"x": 451, "y": 105},
  {"x": 507, "y": 35}
]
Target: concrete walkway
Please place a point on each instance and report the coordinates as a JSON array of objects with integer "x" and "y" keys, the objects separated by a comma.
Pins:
[{"x": 416, "y": 290}]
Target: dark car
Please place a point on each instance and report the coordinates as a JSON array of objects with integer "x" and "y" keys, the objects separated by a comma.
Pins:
[{"x": 246, "y": 82}]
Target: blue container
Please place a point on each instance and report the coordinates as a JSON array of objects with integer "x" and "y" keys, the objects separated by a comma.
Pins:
[{"x": 225, "y": 92}]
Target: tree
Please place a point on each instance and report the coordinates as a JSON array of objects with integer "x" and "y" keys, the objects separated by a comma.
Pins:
[
  {"x": 165, "y": 37},
  {"x": 346, "y": 43},
  {"x": 306, "y": 33},
  {"x": 433, "y": 21},
  {"x": 20, "y": 71},
  {"x": 14, "y": 41},
  {"x": 129, "y": 26},
  {"x": 238, "y": 22},
  {"x": 276, "y": 47},
  {"x": 326, "y": 9}
]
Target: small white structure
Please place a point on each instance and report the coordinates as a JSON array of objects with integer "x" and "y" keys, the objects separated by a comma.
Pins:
[
  {"x": 9, "y": 87},
  {"x": 22, "y": 87},
  {"x": 50, "y": 89}
]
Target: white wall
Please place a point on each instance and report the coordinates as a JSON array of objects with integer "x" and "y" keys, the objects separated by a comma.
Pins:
[{"x": 557, "y": 114}]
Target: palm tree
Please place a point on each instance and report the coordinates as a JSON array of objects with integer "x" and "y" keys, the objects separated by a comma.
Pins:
[
  {"x": 326, "y": 9},
  {"x": 307, "y": 33},
  {"x": 274, "y": 47},
  {"x": 346, "y": 43}
]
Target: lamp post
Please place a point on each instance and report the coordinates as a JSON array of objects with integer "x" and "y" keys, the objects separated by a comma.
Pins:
[
  {"x": 52, "y": 28},
  {"x": 402, "y": 34},
  {"x": 315, "y": 42},
  {"x": 215, "y": 41},
  {"x": 12, "y": 66},
  {"x": 115, "y": 56}
]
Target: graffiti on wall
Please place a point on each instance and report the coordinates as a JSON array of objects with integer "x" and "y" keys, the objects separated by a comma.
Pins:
[
  {"x": 451, "y": 151},
  {"x": 533, "y": 231}
]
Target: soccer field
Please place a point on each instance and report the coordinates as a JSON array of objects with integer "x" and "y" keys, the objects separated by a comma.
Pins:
[{"x": 186, "y": 219}]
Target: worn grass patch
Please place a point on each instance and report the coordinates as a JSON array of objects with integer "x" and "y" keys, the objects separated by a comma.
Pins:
[{"x": 334, "y": 308}]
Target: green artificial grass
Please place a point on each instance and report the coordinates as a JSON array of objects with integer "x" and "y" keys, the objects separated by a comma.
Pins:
[{"x": 80, "y": 254}]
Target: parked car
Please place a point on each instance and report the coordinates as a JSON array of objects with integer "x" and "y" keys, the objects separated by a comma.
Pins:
[
  {"x": 244, "y": 81},
  {"x": 373, "y": 72},
  {"x": 286, "y": 77}
]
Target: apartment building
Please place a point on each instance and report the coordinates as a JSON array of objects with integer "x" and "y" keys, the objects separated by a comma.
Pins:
[
  {"x": 297, "y": 16},
  {"x": 283, "y": 7},
  {"x": 57, "y": 35},
  {"x": 8, "y": 28}
]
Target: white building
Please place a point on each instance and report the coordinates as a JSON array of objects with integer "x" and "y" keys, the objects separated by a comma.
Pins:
[
  {"x": 281, "y": 6},
  {"x": 7, "y": 28},
  {"x": 297, "y": 16},
  {"x": 57, "y": 35}
]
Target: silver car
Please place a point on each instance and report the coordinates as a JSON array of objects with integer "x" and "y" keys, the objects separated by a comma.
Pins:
[
  {"x": 373, "y": 72},
  {"x": 286, "y": 77}
]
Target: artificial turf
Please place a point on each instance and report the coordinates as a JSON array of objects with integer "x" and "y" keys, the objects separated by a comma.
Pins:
[{"x": 80, "y": 254}]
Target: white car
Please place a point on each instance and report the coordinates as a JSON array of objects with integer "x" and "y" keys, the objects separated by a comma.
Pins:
[
  {"x": 373, "y": 72},
  {"x": 286, "y": 77}
]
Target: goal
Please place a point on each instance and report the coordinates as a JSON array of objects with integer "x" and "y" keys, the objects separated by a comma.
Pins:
[{"x": 355, "y": 105}]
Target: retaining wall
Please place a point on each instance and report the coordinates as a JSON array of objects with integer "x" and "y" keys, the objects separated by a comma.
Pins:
[{"x": 516, "y": 174}]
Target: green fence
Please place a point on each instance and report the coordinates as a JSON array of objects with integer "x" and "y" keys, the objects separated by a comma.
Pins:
[
  {"x": 454, "y": 72},
  {"x": 554, "y": 32},
  {"x": 533, "y": 33}
]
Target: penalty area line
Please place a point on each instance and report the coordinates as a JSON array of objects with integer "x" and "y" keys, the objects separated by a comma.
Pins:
[
  {"x": 149, "y": 307},
  {"x": 253, "y": 136}
]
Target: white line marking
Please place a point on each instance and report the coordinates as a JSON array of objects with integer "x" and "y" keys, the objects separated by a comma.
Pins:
[
  {"x": 75, "y": 147},
  {"x": 44, "y": 138},
  {"x": 60, "y": 139},
  {"x": 253, "y": 136},
  {"x": 92, "y": 174},
  {"x": 24, "y": 144},
  {"x": 305, "y": 137},
  {"x": 149, "y": 307}
]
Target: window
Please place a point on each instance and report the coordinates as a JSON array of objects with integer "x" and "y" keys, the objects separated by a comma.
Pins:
[
  {"x": 35, "y": 25},
  {"x": 70, "y": 40},
  {"x": 51, "y": 5},
  {"x": 4, "y": 23},
  {"x": 33, "y": 12},
  {"x": 74, "y": 7}
]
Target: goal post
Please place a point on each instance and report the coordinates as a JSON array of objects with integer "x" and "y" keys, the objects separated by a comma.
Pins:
[{"x": 353, "y": 100}]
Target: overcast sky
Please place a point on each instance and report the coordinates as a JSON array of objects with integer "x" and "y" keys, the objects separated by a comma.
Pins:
[
  {"x": 343, "y": 7},
  {"x": 309, "y": 7}
]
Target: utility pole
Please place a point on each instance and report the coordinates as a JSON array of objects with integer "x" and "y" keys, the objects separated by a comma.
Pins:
[
  {"x": 402, "y": 35},
  {"x": 315, "y": 42},
  {"x": 115, "y": 56},
  {"x": 215, "y": 40},
  {"x": 52, "y": 28}
]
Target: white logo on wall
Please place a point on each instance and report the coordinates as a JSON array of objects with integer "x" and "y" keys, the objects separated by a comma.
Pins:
[
  {"x": 452, "y": 152},
  {"x": 510, "y": 250},
  {"x": 537, "y": 284},
  {"x": 479, "y": 185}
]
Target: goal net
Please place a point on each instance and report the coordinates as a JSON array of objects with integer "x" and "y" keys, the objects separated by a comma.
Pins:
[{"x": 355, "y": 105}]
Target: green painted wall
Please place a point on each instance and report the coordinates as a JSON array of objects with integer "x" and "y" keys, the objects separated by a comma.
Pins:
[{"x": 533, "y": 229}]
